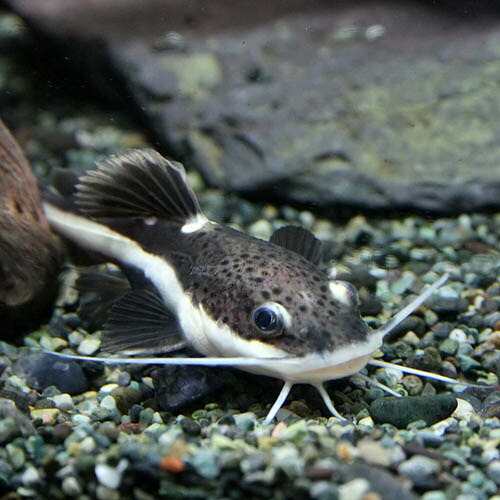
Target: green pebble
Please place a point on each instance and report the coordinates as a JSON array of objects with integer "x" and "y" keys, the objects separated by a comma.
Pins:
[
  {"x": 467, "y": 363},
  {"x": 206, "y": 463},
  {"x": 448, "y": 347},
  {"x": 245, "y": 421},
  {"x": 16, "y": 456},
  {"x": 146, "y": 416}
]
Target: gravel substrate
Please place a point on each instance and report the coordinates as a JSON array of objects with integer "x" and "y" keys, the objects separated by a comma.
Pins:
[{"x": 82, "y": 431}]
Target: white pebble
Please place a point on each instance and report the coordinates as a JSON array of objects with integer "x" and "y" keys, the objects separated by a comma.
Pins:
[
  {"x": 109, "y": 403},
  {"x": 354, "y": 490},
  {"x": 464, "y": 410},
  {"x": 89, "y": 346},
  {"x": 30, "y": 476},
  {"x": 110, "y": 477},
  {"x": 63, "y": 401},
  {"x": 458, "y": 335},
  {"x": 71, "y": 487}
]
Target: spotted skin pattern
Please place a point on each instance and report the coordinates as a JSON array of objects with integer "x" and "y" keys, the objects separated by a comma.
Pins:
[{"x": 230, "y": 274}]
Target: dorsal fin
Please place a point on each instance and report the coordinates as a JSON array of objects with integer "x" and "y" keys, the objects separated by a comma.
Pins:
[
  {"x": 137, "y": 183},
  {"x": 140, "y": 323},
  {"x": 299, "y": 240}
]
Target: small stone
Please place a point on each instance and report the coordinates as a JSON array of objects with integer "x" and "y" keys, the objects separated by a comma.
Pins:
[
  {"x": 373, "y": 452},
  {"x": 16, "y": 456},
  {"x": 109, "y": 476},
  {"x": 324, "y": 490},
  {"x": 491, "y": 405},
  {"x": 126, "y": 398},
  {"x": 464, "y": 410},
  {"x": 190, "y": 426},
  {"x": 403, "y": 284},
  {"x": 434, "y": 495},
  {"x": 206, "y": 463},
  {"x": 63, "y": 402},
  {"x": 71, "y": 487},
  {"x": 47, "y": 415},
  {"x": 288, "y": 459},
  {"x": 420, "y": 470},
  {"x": 109, "y": 403},
  {"x": 448, "y": 347},
  {"x": 261, "y": 229},
  {"x": 448, "y": 305},
  {"x": 402, "y": 411},
  {"x": 467, "y": 363},
  {"x": 458, "y": 335},
  {"x": 30, "y": 476},
  {"x": 245, "y": 421},
  {"x": 89, "y": 346},
  {"x": 354, "y": 490},
  {"x": 61, "y": 431},
  {"x": 493, "y": 471},
  {"x": 412, "y": 384}
]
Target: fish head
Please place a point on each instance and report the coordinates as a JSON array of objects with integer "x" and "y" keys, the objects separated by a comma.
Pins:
[{"x": 276, "y": 303}]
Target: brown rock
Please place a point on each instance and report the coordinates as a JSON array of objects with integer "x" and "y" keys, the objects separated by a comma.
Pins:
[{"x": 30, "y": 255}]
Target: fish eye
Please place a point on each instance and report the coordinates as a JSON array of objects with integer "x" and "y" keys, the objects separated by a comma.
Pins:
[
  {"x": 270, "y": 317},
  {"x": 344, "y": 292}
]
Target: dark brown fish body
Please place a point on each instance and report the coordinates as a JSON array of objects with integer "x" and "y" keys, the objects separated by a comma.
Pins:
[
  {"x": 264, "y": 306},
  {"x": 230, "y": 274},
  {"x": 30, "y": 254}
]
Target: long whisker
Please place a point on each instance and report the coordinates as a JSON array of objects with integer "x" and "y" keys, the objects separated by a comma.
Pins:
[
  {"x": 411, "y": 307},
  {"x": 378, "y": 384},
  {"x": 240, "y": 361},
  {"x": 422, "y": 373}
]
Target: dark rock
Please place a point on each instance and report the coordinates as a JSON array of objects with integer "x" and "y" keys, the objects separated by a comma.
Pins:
[
  {"x": 61, "y": 431},
  {"x": 448, "y": 305},
  {"x": 430, "y": 360},
  {"x": 126, "y": 397},
  {"x": 43, "y": 370},
  {"x": 190, "y": 426},
  {"x": 442, "y": 330},
  {"x": 402, "y": 411},
  {"x": 361, "y": 118},
  {"x": 177, "y": 387}
]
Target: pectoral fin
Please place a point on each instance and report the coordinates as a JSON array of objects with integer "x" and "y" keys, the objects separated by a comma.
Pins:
[{"x": 140, "y": 324}]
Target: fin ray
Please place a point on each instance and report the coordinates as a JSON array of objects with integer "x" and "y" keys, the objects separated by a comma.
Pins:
[
  {"x": 140, "y": 321},
  {"x": 138, "y": 183},
  {"x": 98, "y": 291},
  {"x": 299, "y": 240}
]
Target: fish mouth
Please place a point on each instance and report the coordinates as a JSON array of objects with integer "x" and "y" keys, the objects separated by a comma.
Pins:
[{"x": 317, "y": 367}]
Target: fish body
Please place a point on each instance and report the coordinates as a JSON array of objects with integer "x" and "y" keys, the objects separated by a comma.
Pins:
[{"x": 264, "y": 306}]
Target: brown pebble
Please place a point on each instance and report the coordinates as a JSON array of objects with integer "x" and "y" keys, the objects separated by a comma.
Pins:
[{"x": 172, "y": 464}]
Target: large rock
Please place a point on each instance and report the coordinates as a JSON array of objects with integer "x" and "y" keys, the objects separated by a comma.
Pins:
[{"x": 345, "y": 104}]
